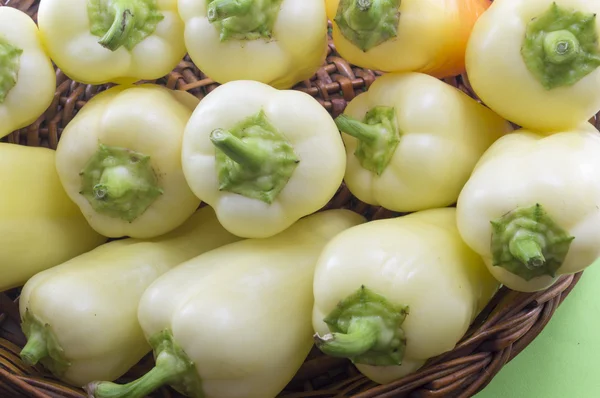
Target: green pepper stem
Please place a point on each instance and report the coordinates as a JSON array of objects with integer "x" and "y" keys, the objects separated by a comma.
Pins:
[
  {"x": 528, "y": 251},
  {"x": 368, "y": 133},
  {"x": 168, "y": 369},
  {"x": 35, "y": 349},
  {"x": 368, "y": 23},
  {"x": 10, "y": 61},
  {"x": 528, "y": 243},
  {"x": 119, "y": 183},
  {"x": 364, "y": 14},
  {"x": 239, "y": 151},
  {"x": 561, "y": 46},
  {"x": 361, "y": 337},
  {"x": 364, "y": 5},
  {"x": 219, "y": 10},
  {"x": 121, "y": 28},
  {"x": 116, "y": 182}
]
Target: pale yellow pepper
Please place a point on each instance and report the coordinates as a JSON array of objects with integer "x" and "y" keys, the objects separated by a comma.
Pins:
[
  {"x": 390, "y": 294},
  {"x": 427, "y": 36},
  {"x": 234, "y": 322},
  {"x": 102, "y": 339},
  {"x": 261, "y": 157},
  {"x": 413, "y": 140},
  {"x": 27, "y": 77},
  {"x": 537, "y": 62},
  {"x": 531, "y": 208},
  {"x": 119, "y": 159},
  {"x": 118, "y": 41},
  {"x": 40, "y": 226},
  {"x": 277, "y": 42}
]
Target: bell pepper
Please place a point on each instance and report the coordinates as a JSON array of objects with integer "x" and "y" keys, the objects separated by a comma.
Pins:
[
  {"x": 277, "y": 42},
  {"x": 413, "y": 140},
  {"x": 117, "y": 41},
  {"x": 119, "y": 159},
  {"x": 531, "y": 208},
  {"x": 215, "y": 322},
  {"x": 27, "y": 78},
  {"x": 405, "y": 35},
  {"x": 80, "y": 317},
  {"x": 262, "y": 157},
  {"x": 392, "y": 293},
  {"x": 536, "y": 62},
  {"x": 40, "y": 226}
]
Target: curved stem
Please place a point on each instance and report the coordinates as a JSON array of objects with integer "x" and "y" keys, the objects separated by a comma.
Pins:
[
  {"x": 170, "y": 368},
  {"x": 35, "y": 349},
  {"x": 361, "y": 337},
  {"x": 121, "y": 28},
  {"x": 561, "y": 46},
  {"x": 528, "y": 251},
  {"x": 219, "y": 10},
  {"x": 367, "y": 329},
  {"x": 151, "y": 381},
  {"x": 239, "y": 151},
  {"x": 368, "y": 133}
]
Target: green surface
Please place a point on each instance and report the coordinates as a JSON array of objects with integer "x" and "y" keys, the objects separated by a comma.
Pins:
[{"x": 563, "y": 361}]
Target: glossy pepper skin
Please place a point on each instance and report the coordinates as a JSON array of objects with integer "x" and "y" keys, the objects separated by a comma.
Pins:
[
  {"x": 276, "y": 42},
  {"x": 80, "y": 317},
  {"x": 112, "y": 41},
  {"x": 119, "y": 159},
  {"x": 390, "y": 294},
  {"x": 262, "y": 157},
  {"x": 537, "y": 62},
  {"x": 413, "y": 140},
  {"x": 531, "y": 208},
  {"x": 41, "y": 227},
  {"x": 234, "y": 322},
  {"x": 428, "y": 36},
  {"x": 27, "y": 77}
]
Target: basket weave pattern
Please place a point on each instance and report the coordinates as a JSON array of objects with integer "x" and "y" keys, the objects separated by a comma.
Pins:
[{"x": 507, "y": 325}]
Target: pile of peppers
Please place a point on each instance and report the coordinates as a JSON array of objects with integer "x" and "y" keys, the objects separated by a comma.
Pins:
[{"x": 225, "y": 261}]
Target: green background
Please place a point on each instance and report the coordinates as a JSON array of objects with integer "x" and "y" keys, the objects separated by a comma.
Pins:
[{"x": 564, "y": 360}]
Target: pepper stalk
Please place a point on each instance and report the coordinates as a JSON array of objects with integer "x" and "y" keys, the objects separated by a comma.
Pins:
[
  {"x": 365, "y": 328},
  {"x": 172, "y": 366},
  {"x": 368, "y": 23},
  {"x": 123, "y": 23},
  {"x": 529, "y": 243},
  {"x": 254, "y": 159}
]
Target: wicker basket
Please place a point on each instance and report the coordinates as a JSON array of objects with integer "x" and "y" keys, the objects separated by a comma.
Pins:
[{"x": 508, "y": 324}]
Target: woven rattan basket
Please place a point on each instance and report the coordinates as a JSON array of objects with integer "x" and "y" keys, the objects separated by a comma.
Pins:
[{"x": 508, "y": 324}]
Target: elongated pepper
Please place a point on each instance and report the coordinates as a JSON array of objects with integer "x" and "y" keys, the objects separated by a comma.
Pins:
[
  {"x": 80, "y": 317},
  {"x": 234, "y": 322},
  {"x": 40, "y": 226}
]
